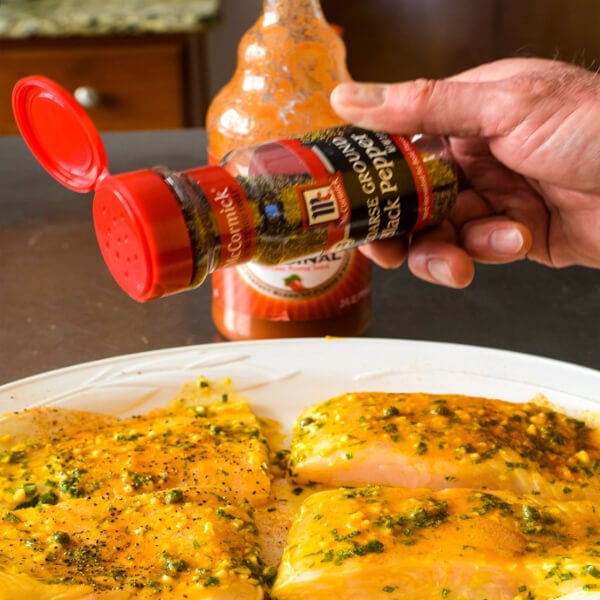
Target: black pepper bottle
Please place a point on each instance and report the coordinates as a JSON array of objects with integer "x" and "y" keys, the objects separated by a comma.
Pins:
[
  {"x": 162, "y": 232},
  {"x": 276, "y": 203}
]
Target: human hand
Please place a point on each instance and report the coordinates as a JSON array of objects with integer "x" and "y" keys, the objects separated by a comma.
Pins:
[{"x": 526, "y": 135}]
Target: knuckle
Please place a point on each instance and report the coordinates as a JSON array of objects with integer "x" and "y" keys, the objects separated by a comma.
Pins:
[
  {"x": 425, "y": 92},
  {"x": 419, "y": 99}
]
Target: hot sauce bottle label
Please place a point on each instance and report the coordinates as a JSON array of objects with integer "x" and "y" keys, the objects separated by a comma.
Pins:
[
  {"x": 299, "y": 291},
  {"x": 304, "y": 278}
]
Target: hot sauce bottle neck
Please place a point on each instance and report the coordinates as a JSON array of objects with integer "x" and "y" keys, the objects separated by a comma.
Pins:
[{"x": 289, "y": 10}]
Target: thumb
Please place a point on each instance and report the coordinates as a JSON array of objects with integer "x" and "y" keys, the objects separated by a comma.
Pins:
[{"x": 437, "y": 107}]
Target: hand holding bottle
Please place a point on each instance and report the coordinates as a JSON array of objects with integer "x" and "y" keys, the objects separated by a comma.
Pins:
[{"x": 526, "y": 133}]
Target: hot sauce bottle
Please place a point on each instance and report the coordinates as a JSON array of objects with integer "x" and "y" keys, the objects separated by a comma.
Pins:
[
  {"x": 277, "y": 204},
  {"x": 288, "y": 64}
]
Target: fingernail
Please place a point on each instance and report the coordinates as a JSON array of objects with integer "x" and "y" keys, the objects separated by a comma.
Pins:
[
  {"x": 362, "y": 95},
  {"x": 506, "y": 241},
  {"x": 440, "y": 271}
]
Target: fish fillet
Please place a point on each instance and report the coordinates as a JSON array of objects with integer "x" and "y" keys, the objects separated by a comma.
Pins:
[
  {"x": 435, "y": 441},
  {"x": 220, "y": 444},
  {"x": 48, "y": 424},
  {"x": 380, "y": 542},
  {"x": 181, "y": 543}
]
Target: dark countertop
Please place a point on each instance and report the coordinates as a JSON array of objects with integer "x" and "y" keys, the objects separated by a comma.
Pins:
[{"x": 59, "y": 306}]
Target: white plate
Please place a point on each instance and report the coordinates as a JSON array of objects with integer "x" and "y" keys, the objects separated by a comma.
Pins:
[{"x": 281, "y": 377}]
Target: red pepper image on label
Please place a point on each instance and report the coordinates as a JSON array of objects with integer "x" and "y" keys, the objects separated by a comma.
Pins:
[{"x": 294, "y": 282}]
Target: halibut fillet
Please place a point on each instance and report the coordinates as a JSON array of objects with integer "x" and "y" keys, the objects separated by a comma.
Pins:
[{"x": 439, "y": 441}]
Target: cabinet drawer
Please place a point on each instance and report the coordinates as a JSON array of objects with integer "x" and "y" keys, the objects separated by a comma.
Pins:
[{"x": 133, "y": 83}]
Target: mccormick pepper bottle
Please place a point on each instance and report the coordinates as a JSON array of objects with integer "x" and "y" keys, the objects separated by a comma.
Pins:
[
  {"x": 288, "y": 64},
  {"x": 289, "y": 202}
]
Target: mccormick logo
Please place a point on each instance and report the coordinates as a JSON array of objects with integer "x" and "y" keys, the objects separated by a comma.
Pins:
[{"x": 320, "y": 204}]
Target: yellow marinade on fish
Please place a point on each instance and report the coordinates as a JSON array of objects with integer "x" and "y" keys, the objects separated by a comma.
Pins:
[
  {"x": 193, "y": 444},
  {"x": 390, "y": 543},
  {"x": 47, "y": 424},
  {"x": 191, "y": 501},
  {"x": 439, "y": 441},
  {"x": 183, "y": 543}
]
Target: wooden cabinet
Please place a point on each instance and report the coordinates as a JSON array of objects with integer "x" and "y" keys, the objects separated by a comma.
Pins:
[{"x": 125, "y": 83}]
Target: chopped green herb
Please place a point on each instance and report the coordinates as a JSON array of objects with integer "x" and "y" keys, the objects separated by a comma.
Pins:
[
  {"x": 30, "y": 489},
  {"x": 48, "y": 497},
  {"x": 592, "y": 570},
  {"x": 61, "y": 537},
  {"x": 12, "y": 517},
  {"x": 174, "y": 496},
  {"x": 390, "y": 411}
]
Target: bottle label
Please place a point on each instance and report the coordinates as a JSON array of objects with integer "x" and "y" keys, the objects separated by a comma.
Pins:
[
  {"x": 300, "y": 291},
  {"x": 366, "y": 186},
  {"x": 232, "y": 212},
  {"x": 324, "y": 192},
  {"x": 304, "y": 278}
]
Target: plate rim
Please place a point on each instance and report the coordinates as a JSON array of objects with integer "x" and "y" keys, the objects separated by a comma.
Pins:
[{"x": 441, "y": 345}]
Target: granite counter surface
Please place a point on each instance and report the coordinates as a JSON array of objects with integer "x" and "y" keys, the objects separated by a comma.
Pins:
[{"x": 65, "y": 18}]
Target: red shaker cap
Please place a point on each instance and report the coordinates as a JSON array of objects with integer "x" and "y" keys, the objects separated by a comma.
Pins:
[
  {"x": 143, "y": 235},
  {"x": 140, "y": 228},
  {"x": 59, "y": 133}
]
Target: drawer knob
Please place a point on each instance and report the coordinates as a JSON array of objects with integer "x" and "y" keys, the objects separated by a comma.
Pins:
[{"x": 87, "y": 96}]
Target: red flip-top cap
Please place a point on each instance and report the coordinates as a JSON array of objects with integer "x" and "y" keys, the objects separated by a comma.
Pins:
[
  {"x": 59, "y": 133},
  {"x": 139, "y": 224}
]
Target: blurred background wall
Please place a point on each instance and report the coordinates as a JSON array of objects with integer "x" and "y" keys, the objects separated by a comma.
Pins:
[
  {"x": 391, "y": 40},
  {"x": 222, "y": 39},
  {"x": 399, "y": 39},
  {"x": 156, "y": 64}
]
